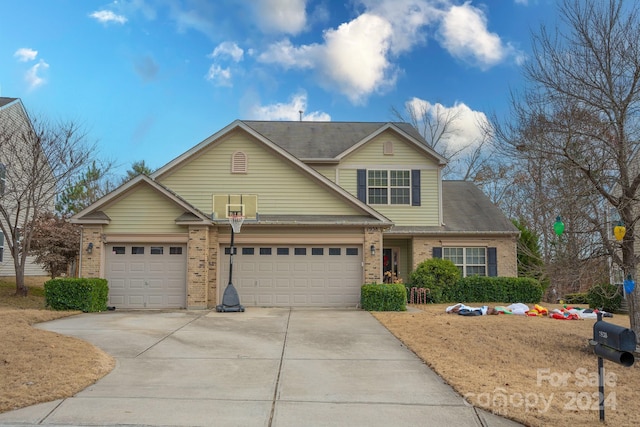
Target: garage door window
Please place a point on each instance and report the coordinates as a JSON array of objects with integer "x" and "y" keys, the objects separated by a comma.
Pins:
[
  {"x": 352, "y": 251},
  {"x": 157, "y": 250},
  {"x": 282, "y": 251},
  {"x": 118, "y": 250},
  {"x": 265, "y": 251},
  {"x": 334, "y": 251},
  {"x": 248, "y": 251},
  {"x": 175, "y": 250},
  {"x": 137, "y": 250},
  {"x": 317, "y": 251},
  {"x": 300, "y": 251}
]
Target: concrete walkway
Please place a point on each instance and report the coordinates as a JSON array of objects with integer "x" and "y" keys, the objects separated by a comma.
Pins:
[{"x": 263, "y": 367}]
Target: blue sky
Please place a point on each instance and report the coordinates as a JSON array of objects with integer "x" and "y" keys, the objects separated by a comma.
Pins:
[{"x": 149, "y": 79}]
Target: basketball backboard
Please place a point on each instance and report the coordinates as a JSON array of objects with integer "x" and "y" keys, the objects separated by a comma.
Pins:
[{"x": 224, "y": 205}]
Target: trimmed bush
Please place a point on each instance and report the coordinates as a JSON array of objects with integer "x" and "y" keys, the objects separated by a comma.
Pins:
[
  {"x": 494, "y": 289},
  {"x": 383, "y": 297},
  {"x": 577, "y": 298},
  {"x": 606, "y": 297},
  {"x": 87, "y": 295},
  {"x": 435, "y": 274}
]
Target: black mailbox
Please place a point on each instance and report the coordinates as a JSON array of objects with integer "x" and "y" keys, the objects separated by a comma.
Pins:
[{"x": 614, "y": 342}]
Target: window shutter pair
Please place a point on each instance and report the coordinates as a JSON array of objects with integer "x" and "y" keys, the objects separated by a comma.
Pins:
[
  {"x": 415, "y": 186},
  {"x": 492, "y": 259}
]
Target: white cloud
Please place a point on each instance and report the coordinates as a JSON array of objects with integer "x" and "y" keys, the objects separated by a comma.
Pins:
[
  {"x": 281, "y": 16},
  {"x": 290, "y": 111},
  {"x": 107, "y": 16},
  {"x": 229, "y": 49},
  {"x": 219, "y": 76},
  {"x": 352, "y": 59},
  {"x": 33, "y": 77},
  {"x": 25, "y": 54},
  {"x": 466, "y": 127},
  {"x": 408, "y": 19},
  {"x": 285, "y": 54},
  {"x": 355, "y": 57},
  {"x": 465, "y": 35}
]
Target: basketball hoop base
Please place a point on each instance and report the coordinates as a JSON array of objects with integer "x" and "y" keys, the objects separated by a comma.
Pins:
[{"x": 230, "y": 301}]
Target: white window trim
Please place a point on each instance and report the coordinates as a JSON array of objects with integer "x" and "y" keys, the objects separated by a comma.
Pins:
[
  {"x": 389, "y": 187},
  {"x": 464, "y": 264}
]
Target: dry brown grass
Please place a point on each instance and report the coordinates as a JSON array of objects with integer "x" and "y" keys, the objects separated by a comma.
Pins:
[
  {"x": 39, "y": 366},
  {"x": 544, "y": 368}
]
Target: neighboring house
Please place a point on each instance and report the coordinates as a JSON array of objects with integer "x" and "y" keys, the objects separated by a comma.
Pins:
[
  {"x": 329, "y": 206},
  {"x": 14, "y": 121}
]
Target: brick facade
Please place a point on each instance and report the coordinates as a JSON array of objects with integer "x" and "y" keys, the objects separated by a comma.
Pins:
[
  {"x": 212, "y": 284},
  {"x": 197, "y": 267},
  {"x": 372, "y": 264},
  {"x": 91, "y": 265}
]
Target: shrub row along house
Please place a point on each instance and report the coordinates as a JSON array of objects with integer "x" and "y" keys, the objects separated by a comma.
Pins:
[{"x": 328, "y": 206}]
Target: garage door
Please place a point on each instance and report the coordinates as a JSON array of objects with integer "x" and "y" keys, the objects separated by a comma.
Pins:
[
  {"x": 146, "y": 275},
  {"x": 295, "y": 275}
]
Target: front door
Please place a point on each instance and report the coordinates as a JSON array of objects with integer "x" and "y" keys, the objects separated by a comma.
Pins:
[{"x": 389, "y": 264}]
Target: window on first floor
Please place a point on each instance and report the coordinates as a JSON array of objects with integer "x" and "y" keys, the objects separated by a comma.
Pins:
[
  {"x": 470, "y": 261},
  {"x": 1, "y": 246}
]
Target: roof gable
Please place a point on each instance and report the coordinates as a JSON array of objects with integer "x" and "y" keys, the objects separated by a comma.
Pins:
[
  {"x": 333, "y": 140},
  {"x": 94, "y": 213},
  {"x": 175, "y": 169}
]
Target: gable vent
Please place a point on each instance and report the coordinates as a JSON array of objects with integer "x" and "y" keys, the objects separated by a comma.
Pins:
[
  {"x": 239, "y": 162},
  {"x": 387, "y": 148}
]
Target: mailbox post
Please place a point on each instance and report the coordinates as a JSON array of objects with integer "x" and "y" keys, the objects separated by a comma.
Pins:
[{"x": 614, "y": 343}]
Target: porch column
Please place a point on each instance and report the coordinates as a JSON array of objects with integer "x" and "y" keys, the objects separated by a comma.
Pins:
[
  {"x": 197, "y": 267},
  {"x": 91, "y": 263}
]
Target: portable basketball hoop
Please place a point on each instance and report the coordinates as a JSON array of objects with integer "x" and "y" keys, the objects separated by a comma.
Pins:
[{"x": 230, "y": 298}]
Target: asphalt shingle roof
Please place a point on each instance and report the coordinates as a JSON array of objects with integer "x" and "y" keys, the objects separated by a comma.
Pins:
[
  {"x": 321, "y": 140},
  {"x": 4, "y": 101}
]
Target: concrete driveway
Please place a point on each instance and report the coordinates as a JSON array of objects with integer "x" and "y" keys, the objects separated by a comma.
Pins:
[{"x": 264, "y": 367}]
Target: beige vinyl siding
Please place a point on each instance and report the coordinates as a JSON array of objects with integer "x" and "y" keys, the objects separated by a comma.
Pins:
[
  {"x": 328, "y": 171},
  {"x": 424, "y": 215},
  {"x": 407, "y": 157},
  {"x": 281, "y": 188},
  {"x": 143, "y": 210}
]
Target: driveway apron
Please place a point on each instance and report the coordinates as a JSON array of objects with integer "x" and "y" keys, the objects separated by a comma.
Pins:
[{"x": 265, "y": 367}]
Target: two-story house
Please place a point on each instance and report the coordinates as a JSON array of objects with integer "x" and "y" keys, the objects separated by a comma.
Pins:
[
  {"x": 328, "y": 206},
  {"x": 15, "y": 125}
]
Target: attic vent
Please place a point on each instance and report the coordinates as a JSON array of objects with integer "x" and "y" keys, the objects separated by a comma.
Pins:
[
  {"x": 387, "y": 148},
  {"x": 239, "y": 162}
]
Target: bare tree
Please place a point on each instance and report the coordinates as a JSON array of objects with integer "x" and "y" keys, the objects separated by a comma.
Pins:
[
  {"x": 37, "y": 156},
  {"x": 578, "y": 119},
  {"x": 440, "y": 127}
]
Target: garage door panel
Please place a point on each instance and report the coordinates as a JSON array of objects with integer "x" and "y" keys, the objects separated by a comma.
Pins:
[
  {"x": 146, "y": 279},
  {"x": 307, "y": 276}
]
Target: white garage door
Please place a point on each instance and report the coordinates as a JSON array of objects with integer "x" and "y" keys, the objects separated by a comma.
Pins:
[
  {"x": 146, "y": 275},
  {"x": 295, "y": 275}
]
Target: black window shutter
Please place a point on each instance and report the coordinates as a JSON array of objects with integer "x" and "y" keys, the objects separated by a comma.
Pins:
[
  {"x": 492, "y": 261},
  {"x": 415, "y": 187},
  {"x": 362, "y": 185},
  {"x": 437, "y": 252}
]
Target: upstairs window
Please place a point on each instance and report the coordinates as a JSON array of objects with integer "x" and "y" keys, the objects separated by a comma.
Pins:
[
  {"x": 1, "y": 246},
  {"x": 389, "y": 187},
  {"x": 239, "y": 162}
]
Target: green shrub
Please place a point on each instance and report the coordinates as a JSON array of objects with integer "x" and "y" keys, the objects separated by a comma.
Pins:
[
  {"x": 383, "y": 297},
  {"x": 87, "y": 295},
  {"x": 606, "y": 297},
  {"x": 435, "y": 274},
  {"x": 577, "y": 298},
  {"x": 494, "y": 289}
]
